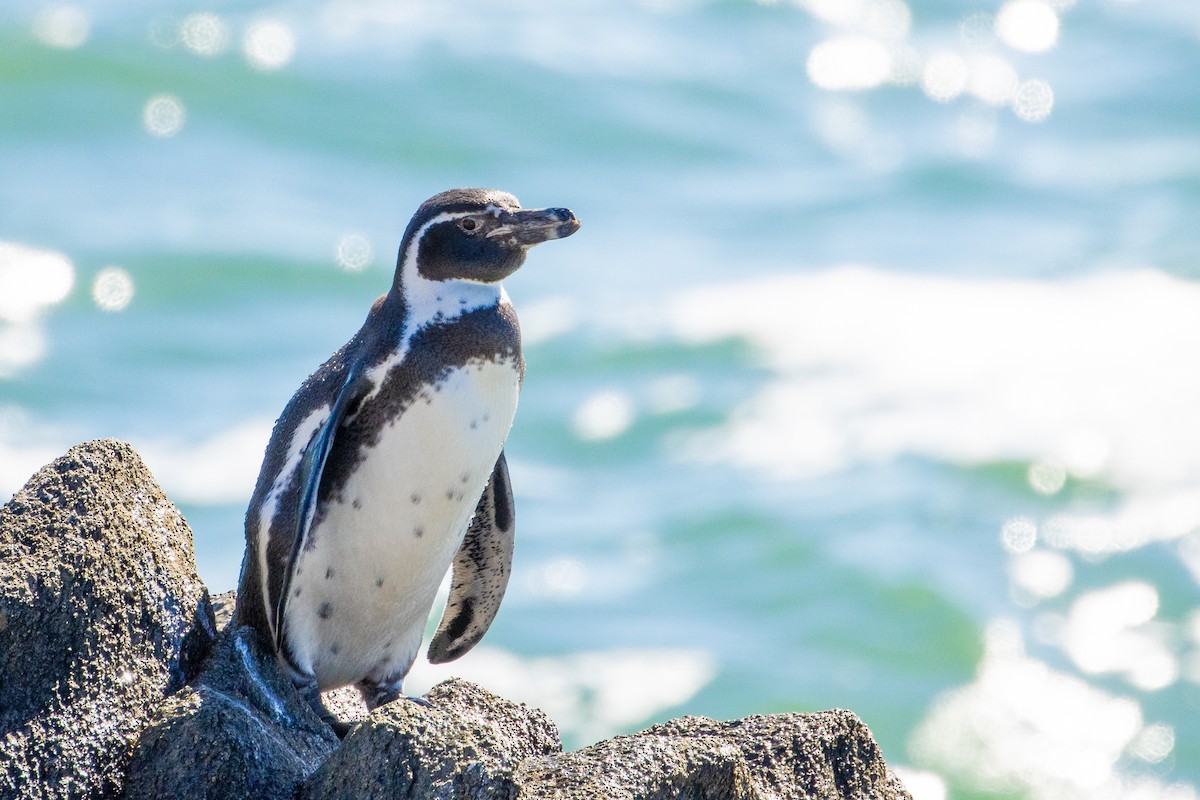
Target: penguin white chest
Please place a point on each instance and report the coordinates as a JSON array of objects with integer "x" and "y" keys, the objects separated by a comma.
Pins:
[{"x": 365, "y": 582}]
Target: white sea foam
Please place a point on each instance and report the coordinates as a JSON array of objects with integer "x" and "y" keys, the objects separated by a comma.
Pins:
[
  {"x": 31, "y": 281},
  {"x": 1024, "y": 728},
  {"x": 1093, "y": 373},
  {"x": 590, "y": 695},
  {"x": 217, "y": 470}
]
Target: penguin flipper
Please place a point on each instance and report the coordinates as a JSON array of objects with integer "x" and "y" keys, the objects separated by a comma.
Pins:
[
  {"x": 481, "y": 570},
  {"x": 309, "y": 473}
]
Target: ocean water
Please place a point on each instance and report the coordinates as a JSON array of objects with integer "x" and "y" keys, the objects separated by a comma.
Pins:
[{"x": 869, "y": 381}]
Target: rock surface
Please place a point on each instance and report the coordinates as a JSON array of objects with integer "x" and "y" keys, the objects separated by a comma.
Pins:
[
  {"x": 469, "y": 744},
  {"x": 828, "y": 755},
  {"x": 238, "y": 730},
  {"x": 101, "y": 616},
  {"x": 104, "y": 625},
  {"x": 465, "y": 743}
]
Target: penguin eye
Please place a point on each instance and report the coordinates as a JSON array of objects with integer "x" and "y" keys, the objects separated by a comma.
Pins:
[{"x": 469, "y": 225}]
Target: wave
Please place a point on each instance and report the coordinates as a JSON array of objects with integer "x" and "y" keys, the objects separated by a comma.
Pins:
[{"x": 1090, "y": 375}]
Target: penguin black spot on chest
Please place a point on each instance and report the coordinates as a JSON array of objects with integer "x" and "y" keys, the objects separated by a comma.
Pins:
[{"x": 485, "y": 335}]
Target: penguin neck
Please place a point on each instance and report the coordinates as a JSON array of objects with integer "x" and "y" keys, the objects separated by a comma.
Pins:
[{"x": 426, "y": 302}]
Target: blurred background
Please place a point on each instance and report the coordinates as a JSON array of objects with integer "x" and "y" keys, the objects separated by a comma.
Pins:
[{"x": 869, "y": 382}]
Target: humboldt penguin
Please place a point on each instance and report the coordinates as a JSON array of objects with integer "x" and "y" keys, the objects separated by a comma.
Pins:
[{"x": 387, "y": 466}]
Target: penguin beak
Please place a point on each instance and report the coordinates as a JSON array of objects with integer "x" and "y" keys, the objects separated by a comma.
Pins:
[{"x": 531, "y": 226}]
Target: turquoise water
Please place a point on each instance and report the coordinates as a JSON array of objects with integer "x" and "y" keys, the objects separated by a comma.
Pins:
[{"x": 869, "y": 381}]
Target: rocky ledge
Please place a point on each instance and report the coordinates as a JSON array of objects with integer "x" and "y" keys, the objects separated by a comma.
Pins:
[{"x": 118, "y": 680}]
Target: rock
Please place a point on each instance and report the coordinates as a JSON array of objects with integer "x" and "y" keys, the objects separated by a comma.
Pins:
[
  {"x": 469, "y": 744},
  {"x": 223, "y": 604},
  {"x": 238, "y": 730},
  {"x": 345, "y": 703},
  {"x": 829, "y": 755},
  {"x": 103, "y": 621},
  {"x": 465, "y": 744},
  {"x": 101, "y": 616}
]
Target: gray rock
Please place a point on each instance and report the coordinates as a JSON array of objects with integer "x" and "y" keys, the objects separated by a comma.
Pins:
[
  {"x": 345, "y": 703},
  {"x": 829, "y": 755},
  {"x": 470, "y": 744},
  {"x": 465, "y": 744},
  {"x": 238, "y": 730},
  {"x": 101, "y": 616},
  {"x": 103, "y": 621}
]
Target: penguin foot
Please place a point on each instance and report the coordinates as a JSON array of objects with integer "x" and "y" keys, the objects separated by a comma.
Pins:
[
  {"x": 312, "y": 695},
  {"x": 376, "y": 695}
]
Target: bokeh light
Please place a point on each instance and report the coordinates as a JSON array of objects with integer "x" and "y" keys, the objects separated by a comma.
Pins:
[
  {"x": 992, "y": 79},
  {"x": 354, "y": 252},
  {"x": 888, "y": 19},
  {"x": 1028, "y": 25},
  {"x": 1040, "y": 574},
  {"x": 977, "y": 30},
  {"x": 112, "y": 289},
  {"x": 1023, "y": 728},
  {"x": 65, "y": 27},
  {"x": 32, "y": 280},
  {"x": 849, "y": 63},
  {"x": 1019, "y": 535},
  {"x": 163, "y": 116},
  {"x": 269, "y": 45},
  {"x": 1047, "y": 477},
  {"x": 204, "y": 34},
  {"x": 1034, "y": 100},
  {"x": 944, "y": 76},
  {"x": 1154, "y": 744},
  {"x": 604, "y": 415}
]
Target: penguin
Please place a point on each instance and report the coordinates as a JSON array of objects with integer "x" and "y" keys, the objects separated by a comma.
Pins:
[{"x": 387, "y": 467}]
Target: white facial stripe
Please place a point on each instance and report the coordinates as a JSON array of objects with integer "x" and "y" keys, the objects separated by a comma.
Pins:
[{"x": 433, "y": 301}]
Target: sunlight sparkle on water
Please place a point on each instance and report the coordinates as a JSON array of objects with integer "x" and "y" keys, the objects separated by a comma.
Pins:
[
  {"x": 944, "y": 76},
  {"x": 1022, "y": 726},
  {"x": 1107, "y": 631},
  {"x": 978, "y": 29},
  {"x": 204, "y": 34},
  {"x": 1154, "y": 743},
  {"x": 269, "y": 45},
  {"x": 1047, "y": 477},
  {"x": 1040, "y": 574},
  {"x": 1027, "y": 25},
  {"x": 31, "y": 280},
  {"x": 354, "y": 252},
  {"x": 849, "y": 63},
  {"x": 163, "y": 116},
  {"x": 112, "y": 290},
  {"x": 1019, "y": 535},
  {"x": 992, "y": 79},
  {"x": 65, "y": 27},
  {"x": 1034, "y": 100},
  {"x": 604, "y": 415}
]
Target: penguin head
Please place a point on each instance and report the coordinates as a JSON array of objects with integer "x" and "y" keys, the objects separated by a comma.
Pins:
[{"x": 479, "y": 235}]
